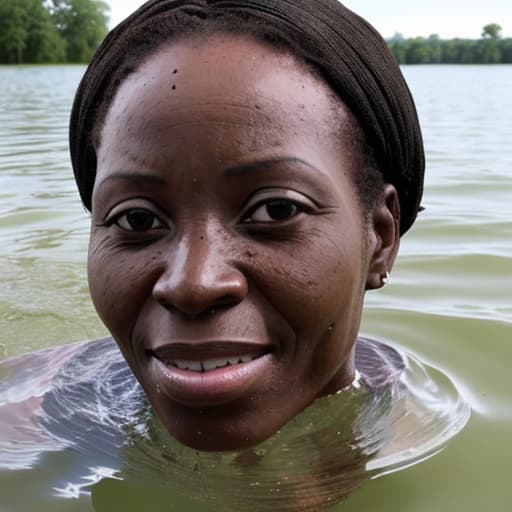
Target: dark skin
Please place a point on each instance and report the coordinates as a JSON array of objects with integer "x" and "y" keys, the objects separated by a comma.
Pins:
[{"x": 227, "y": 228}]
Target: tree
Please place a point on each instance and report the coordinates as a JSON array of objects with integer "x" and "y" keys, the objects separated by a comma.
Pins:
[
  {"x": 467, "y": 51},
  {"x": 13, "y": 31},
  {"x": 418, "y": 51},
  {"x": 488, "y": 51},
  {"x": 397, "y": 44},
  {"x": 506, "y": 50},
  {"x": 397, "y": 38},
  {"x": 491, "y": 31},
  {"x": 82, "y": 24},
  {"x": 434, "y": 41},
  {"x": 27, "y": 33},
  {"x": 43, "y": 43}
]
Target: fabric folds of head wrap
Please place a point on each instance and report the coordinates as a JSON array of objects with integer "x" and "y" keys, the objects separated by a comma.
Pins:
[{"x": 348, "y": 53}]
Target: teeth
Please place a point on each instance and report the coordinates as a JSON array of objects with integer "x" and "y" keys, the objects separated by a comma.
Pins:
[
  {"x": 209, "y": 364},
  {"x": 195, "y": 366}
]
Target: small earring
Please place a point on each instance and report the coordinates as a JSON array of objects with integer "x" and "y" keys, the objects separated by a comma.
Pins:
[{"x": 385, "y": 279}]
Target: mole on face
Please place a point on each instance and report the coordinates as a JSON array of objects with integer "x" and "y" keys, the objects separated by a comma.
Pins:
[{"x": 241, "y": 237}]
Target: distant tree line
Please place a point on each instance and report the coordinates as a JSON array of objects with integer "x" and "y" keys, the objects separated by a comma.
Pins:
[
  {"x": 490, "y": 49},
  {"x": 52, "y": 31},
  {"x": 49, "y": 31}
]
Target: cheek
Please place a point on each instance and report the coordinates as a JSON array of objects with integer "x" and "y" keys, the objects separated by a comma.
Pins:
[
  {"x": 119, "y": 284},
  {"x": 317, "y": 282}
]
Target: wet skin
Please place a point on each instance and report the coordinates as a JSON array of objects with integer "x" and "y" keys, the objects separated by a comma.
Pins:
[{"x": 226, "y": 226}]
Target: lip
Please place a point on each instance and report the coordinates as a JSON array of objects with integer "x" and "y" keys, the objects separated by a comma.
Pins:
[{"x": 212, "y": 387}]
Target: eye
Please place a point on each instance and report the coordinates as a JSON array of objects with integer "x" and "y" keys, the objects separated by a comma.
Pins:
[
  {"x": 274, "y": 210},
  {"x": 139, "y": 220}
]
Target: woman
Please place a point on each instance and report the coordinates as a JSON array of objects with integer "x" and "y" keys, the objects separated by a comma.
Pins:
[{"x": 249, "y": 167}]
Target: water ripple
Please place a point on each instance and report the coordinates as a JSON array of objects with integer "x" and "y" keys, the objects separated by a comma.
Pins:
[{"x": 95, "y": 415}]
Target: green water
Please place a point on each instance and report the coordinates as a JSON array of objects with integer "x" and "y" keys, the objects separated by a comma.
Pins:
[{"x": 449, "y": 301}]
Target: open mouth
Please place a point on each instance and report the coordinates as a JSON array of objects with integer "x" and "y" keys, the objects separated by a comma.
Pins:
[
  {"x": 208, "y": 374},
  {"x": 208, "y": 365},
  {"x": 207, "y": 357}
]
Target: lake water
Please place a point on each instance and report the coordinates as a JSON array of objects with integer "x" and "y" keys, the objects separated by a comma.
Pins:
[{"x": 449, "y": 302}]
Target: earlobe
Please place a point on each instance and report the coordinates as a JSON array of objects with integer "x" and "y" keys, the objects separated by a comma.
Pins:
[{"x": 385, "y": 234}]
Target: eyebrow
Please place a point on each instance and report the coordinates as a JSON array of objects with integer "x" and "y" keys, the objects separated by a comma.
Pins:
[
  {"x": 262, "y": 165},
  {"x": 149, "y": 179},
  {"x": 249, "y": 167}
]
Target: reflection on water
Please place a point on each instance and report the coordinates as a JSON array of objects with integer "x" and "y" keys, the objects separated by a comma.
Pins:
[{"x": 79, "y": 412}]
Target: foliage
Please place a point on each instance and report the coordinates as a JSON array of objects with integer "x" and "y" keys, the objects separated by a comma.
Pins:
[
  {"x": 82, "y": 24},
  {"x": 492, "y": 30},
  {"x": 37, "y": 31},
  {"x": 490, "y": 49},
  {"x": 27, "y": 33}
]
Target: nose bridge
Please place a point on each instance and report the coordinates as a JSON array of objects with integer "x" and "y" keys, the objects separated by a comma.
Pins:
[
  {"x": 199, "y": 255},
  {"x": 201, "y": 273}
]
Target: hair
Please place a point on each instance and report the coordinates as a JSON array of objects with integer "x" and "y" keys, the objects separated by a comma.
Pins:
[{"x": 335, "y": 43}]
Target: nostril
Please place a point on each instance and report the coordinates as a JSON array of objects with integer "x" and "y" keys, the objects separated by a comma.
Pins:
[
  {"x": 198, "y": 309},
  {"x": 195, "y": 294},
  {"x": 223, "y": 303}
]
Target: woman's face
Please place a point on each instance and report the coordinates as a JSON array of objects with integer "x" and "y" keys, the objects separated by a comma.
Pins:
[{"x": 228, "y": 253}]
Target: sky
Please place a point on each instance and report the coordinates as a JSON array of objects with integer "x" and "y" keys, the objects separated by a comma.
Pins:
[{"x": 448, "y": 18}]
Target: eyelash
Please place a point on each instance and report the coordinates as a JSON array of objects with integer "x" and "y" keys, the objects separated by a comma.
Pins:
[
  {"x": 298, "y": 208},
  {"x": 117, "y": 219},
  {"x": 121, "y": 219}
]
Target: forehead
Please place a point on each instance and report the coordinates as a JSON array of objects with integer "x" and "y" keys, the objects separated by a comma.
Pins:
[
  {"x": 204, "y": 90},
  {"x": 229, "y": 63}
]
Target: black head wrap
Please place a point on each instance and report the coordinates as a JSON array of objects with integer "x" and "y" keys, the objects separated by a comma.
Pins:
[{"x": 347, "y": 51}]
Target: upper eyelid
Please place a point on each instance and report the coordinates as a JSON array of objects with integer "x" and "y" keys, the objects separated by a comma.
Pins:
[
  {"x": 134, "y": 204},
  {"x": 257, "y": 199},
  {"x": 122, "y": 213},
  {"x": 262, "y": 196},
  {"x": 114, "y": 220},
  {"x": 250, "y": 211},
  {"x": 304, "y": 206}
]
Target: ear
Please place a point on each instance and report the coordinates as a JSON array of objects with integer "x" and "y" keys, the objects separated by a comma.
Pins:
[{"x": 384, "y": 232}]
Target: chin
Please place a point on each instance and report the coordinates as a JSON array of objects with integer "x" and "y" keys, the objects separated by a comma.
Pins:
[{"x": 215, "y": 429}]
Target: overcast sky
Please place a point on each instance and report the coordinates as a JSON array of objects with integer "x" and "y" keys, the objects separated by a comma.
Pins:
[{"x": 448, "y": 18}]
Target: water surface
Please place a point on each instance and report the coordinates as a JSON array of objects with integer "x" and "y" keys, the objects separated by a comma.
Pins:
[{"x": 449, "y": 301}]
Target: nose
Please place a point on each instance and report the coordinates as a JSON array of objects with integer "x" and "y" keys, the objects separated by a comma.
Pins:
[{"x": 199, "y": 278}]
